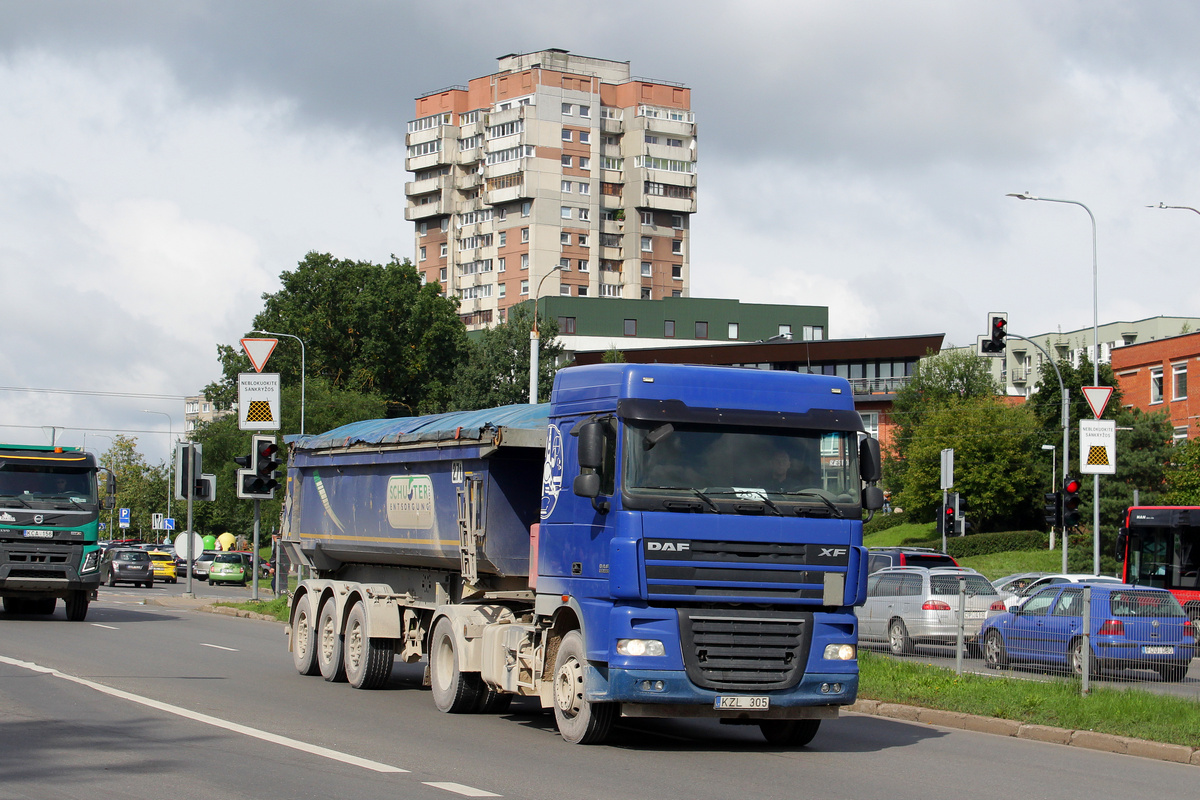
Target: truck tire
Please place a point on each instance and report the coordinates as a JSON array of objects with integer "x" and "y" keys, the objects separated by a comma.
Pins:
[
  {"x": 43, "y": 605},
  {"x": 579, "y": 721},
  {"x": 453, "y": 691},
  {"x": 304, "y": 650},
  {"x": 789, "y": 732},
  {"x": 15, "y": 605},
  {"x": 493, "y": 702},
  {"x": 329, "y": 644},
  {"x": 368, "y": 661},
  {"x": 77, "y": 605}
]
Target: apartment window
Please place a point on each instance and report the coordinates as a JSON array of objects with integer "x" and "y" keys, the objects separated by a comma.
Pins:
[
  {"x": 566, "y": 109},
  {"x": 631, "y": 327},
  {"x": 582, "y": 265},
  {"x": 446, "y": 224},
  {"x": 585, "y": 163},
  {"x": 871, "y": 423},
  {"x": 815, "y": 333},
  {"x": 424, "y": 228},
  {"x": 1180, "y": 435},
  {"x": 585, "y": 111},
  {"x": 524, "y": 260},
  {"x": 499, "y": 265},
  {"x": 677, "y": 271},
  {"x": 646, "y": 269},
  {"x": 566, "y": 161},
  {"x": 566, "y": 187},
  {"x": 566, "y": 135},
  {"x": 526, "y": 207},
  {"x": 677, "y": 246},
  {"x": 503, "y": 239},
  {"x": 646, "y": 246},
  {"x": 564, "y": 238},
  {"x": 674, "y": 142},
  {"x": 648, "y": 218},
  {"x": 565, "y": 212},
  {"x": 1178, "y": 381},
  {"x": 524, "y": 287},
  {"x": 676, "y": 293},
  {"x": 503, "y": 288},
  {"x": 564, "y": 263},
  {"x": 669, "y": 329},
  {"x": 585, "y": 137},
  {"x": 583, "y": 291},
  {"x": 585, "y": 188},
  {"x": 677, "y": 221},
  {"x": 422, "y": 253},
  {"x": 566, "y": 325},
  {"x": 501, "y": 214},
  {"x": 583, "y": 240},
  {"x": 733, "y": 330},
  {"x": 524, "y": 234},
  {"x": 785, "y": 330},
  {"x": 701, "y": 330},
  {"x": 565, "y": 289},
  {"x": 444, "y": 250},
  {"x": 1156, "y": 385},
  {"x": 651, "y": 139},
  {"x": 442, "y": 274},
  {"x": 585, "y": 214},
  {"x": 609, "y": 290}
]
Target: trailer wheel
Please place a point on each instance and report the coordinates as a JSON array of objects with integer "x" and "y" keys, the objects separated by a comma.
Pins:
[
  {"x": 329, "y": 644},
  {"x": 453, "y": 691},
  {"x": 579, "y": 721},
  {"x": 304, "y": 651},
  {"x": 368, "y": 661},
  {"x": 789, "y": 732},
  {"x": 77, "y": 605}
]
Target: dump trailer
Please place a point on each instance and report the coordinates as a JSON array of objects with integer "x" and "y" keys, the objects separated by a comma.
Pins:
[
  {"x": 49, "y": 513},
  {"x": 657, "y": 541}
]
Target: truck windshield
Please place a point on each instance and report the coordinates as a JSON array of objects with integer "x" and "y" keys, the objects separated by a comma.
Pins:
[
  {"x": 1165, "y": 558},
  {"x": 29, "y": 485},
  {"x": 716, "y": 464}
]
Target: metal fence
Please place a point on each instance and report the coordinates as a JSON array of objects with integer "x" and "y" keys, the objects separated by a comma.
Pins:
[{"x": 1112, "y": 635}]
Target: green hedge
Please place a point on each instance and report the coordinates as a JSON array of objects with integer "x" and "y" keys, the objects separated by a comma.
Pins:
[
  {"x": 881, "y": 522},
  {"x": 983, "y": 543}
]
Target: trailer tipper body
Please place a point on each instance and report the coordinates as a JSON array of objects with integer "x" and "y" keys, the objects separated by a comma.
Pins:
[{"x": 657, "y": 541}]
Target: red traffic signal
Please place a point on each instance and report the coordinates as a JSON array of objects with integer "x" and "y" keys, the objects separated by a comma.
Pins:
[{"x": 1070, "y": 502}]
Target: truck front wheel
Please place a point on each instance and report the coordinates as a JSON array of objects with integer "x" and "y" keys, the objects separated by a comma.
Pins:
[
  {"x": 789, "y": 732},
  {"x": 77, "y": 605},
  {"x": 579, "y": 721},
  {"x": 453, "y": 691}
]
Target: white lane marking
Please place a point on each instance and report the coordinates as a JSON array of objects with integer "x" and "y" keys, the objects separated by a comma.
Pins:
[
  {"x": 218, "y": 647},
  {"x": 458, "y": 788},
  {"x": 109, "y": 627},
  {"x": 216, "y": 722}
]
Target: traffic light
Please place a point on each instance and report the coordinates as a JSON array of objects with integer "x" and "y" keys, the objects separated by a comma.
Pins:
[
  {"x": 1070, "y": 502},
  {"x": 188, "y": 464},
  {"x": 259, "y": 479},
  {"x": 960, "y": 514},
  {"x": 948, "y": 526},
  {"x": 997, "y": 330},
  {"x": 1053, "y": 510}
]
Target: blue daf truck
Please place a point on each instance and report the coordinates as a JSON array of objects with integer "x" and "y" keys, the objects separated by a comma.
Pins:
[
  {"x": 657, "y": 541},
  {"x": 49, "y": 512}
]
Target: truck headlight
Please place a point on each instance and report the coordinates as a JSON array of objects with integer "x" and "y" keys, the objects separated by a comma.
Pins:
[
  {"x": 839, "y": 652},
  {"x": 640, "y": 647},
  {"x": 91, "y": 561}
]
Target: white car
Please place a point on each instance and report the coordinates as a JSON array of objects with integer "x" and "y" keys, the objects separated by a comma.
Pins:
[{"x": 1015, "y": 601}]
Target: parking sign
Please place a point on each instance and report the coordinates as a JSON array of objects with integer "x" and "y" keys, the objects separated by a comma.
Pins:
[{"x": 123, "y": 517}]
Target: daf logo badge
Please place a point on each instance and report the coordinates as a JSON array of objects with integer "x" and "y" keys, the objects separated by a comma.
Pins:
[
  {"x": 673, "y": 546},
  {"x": 39, "y": 518}
]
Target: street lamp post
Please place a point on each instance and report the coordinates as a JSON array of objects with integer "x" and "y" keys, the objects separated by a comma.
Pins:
[
  {"x": 534, "y": 340},
  {"x": 301, "y": 341},
  {"x": 1095, "y": 364},
  {"x": 1053, "y": 479},
  {"x": 170, "y": 455}
]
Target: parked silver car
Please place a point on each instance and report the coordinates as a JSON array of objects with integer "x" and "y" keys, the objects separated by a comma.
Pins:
[
  {"x": 918, "y": 605},
  {"x": 1014, "y": 601}
]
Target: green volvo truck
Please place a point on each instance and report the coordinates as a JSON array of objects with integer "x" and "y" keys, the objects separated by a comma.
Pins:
[{"x": 50, "y": 503}]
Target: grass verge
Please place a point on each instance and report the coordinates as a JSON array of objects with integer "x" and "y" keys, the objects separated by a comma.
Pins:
[
  {"x": 1125, "y": 712},
  {"x": 277, "y": 608}
]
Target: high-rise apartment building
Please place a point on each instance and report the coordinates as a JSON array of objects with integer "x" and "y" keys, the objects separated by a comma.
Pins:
[{"x": 557, "y": 174}]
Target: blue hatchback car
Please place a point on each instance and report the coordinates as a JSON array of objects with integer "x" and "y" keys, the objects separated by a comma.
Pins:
[{"x": 1132, "y": 627}]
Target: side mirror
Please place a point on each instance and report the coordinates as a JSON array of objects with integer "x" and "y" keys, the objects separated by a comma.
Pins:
[
  {"x": 1122, "y": 539},
  {"x": 872, "y": 498},
  {"x": 110, "y": 495},
  {"x": 591, "y": 446},
  {"x": 869, "y": 468},
  {"x": 586, "y": 485}
]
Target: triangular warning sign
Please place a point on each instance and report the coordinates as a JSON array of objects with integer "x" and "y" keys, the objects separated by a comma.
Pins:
[
  {"x": 1097, "y": 397},
  {"x": 258, "y": 351}
]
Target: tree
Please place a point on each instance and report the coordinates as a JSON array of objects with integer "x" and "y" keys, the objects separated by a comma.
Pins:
[
  {"x": 993, "y": 471},
  {"x": 1183, "y": 476},
  {"x": 497, "y": 369},
  {"x": 938, "y": 381},
  {"x": 141, "y": 488},
  {"x": 367, "y": 328}
]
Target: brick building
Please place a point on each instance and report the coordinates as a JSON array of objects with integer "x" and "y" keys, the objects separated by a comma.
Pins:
[{"x": 1154, "y": 376}]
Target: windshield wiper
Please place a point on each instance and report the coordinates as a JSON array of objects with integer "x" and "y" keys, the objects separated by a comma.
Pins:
[
  {"x": 18, "y": 498},
  {"x": 833, "y": 510},
  {"x": 716, "y": 509}
]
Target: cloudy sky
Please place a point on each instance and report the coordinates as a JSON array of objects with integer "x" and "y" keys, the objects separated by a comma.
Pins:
[{"x": 162, "y": 163}]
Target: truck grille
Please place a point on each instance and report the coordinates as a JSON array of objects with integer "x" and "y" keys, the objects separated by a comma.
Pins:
[
  {"x": 745, "y": 650},
  {"x": 749, "y": 571}
]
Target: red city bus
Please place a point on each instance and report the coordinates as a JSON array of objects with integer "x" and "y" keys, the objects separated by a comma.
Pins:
[{"x": 1160, "y": 546}]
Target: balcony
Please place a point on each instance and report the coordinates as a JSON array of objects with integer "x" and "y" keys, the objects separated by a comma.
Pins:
[
  {"x": 612, "y": 125},
  {"x": 1018, "y": 375},
  {"x": 434, "y": 184},
  {"x": 877, "y": 386},
  {"x": 469, "y": 181}
]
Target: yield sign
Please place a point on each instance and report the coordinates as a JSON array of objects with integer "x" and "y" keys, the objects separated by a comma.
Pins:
[
  {"x": 259, "y": 350},
  {"x": 1097, "y": 397}
]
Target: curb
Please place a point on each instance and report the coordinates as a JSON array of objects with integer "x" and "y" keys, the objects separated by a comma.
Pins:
[
  {"x": 1104, "y": 742},
  {"x": 208, "y": 607}
]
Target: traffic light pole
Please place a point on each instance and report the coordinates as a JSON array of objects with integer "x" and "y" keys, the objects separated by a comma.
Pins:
[
  {"x": 1066, "y": 427},
  {"x": 254, "y": 558}
]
